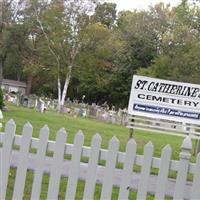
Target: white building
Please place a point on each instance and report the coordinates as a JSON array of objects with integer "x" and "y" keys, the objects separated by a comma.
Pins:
[{"x": 14, "y": 86}]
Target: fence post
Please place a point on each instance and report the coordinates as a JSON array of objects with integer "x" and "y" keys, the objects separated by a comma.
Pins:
[
  {"x": 185, "y": 155},
  {"x": 22, "y": 164},
  {"x": 197, "y": 148},
  {"x": 111, "y": 159},
  {"x": 92, "y": 167},
  {"x": 145, "y": 171},
  {"x": 195, "y": 192},
  {"x": 5, "y": 155},
  {"x": 74, "y": 166}
]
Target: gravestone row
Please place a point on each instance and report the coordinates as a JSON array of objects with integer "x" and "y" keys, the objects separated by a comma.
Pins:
[{"x": 73, "y": 108}]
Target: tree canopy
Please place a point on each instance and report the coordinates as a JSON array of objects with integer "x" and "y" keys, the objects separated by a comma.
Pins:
[{"x": 73, "y": 48}]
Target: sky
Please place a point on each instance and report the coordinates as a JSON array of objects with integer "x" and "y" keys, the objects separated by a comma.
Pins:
[{"x": 140, "y": 4}]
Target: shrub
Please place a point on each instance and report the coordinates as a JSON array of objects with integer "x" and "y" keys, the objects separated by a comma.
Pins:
[{"x": 1, "y": 99}]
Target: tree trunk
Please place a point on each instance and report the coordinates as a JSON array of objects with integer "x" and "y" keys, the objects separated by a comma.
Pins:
[
  {"x": 2, "y": 62},
  {"x": 1, "y": 72},
  {"x": 29, "y": 85},
  {"x": 59, "y": 95},
  {"x": 64, "y": 93}
]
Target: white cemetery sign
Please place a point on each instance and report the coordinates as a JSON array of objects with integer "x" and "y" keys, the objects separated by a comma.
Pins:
[{"x": 162, "y": 99}]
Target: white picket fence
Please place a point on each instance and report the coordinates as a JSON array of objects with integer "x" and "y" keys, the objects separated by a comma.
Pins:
[
  {"x": 163, "y": 126},
  {"x": 57, "y": 166}
]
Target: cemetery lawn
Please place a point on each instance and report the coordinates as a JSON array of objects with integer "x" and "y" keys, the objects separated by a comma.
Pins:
[{"x": 89, "y": 127}]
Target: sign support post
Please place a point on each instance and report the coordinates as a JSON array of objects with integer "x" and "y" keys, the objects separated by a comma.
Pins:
[{"x": 131, "y": 130}]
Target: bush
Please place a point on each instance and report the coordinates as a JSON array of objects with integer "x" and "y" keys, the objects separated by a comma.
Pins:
[{"x": 1, "y": 99}]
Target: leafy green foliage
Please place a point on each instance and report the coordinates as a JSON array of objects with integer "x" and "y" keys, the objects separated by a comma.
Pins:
[
  {"x": 95, "y": 63},
  {"x": 179, "y": 58},
  {"x": 1, "y": 99},
  {"x": 105, "y": 14}
]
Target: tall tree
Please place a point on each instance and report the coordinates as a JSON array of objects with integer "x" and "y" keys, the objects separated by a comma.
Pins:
[
  {"x": 105, "y": 14},
  {"x": 179, "y": 59},
  {"x": 15, "y": 44},
  {"x": 135, "y": 30},
  {"x": 22, "y": 52},
  {"x": 63, "y": 35},
  {"x": 5, "y": 21},
  {"x": 95, "y": 63}
]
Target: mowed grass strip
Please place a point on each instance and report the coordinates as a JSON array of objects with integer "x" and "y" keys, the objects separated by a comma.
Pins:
[{"x": 62, "y": 190}]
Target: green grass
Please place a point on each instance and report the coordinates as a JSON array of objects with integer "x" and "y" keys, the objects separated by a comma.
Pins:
[
  {"x": 62, "y": 190},
  {"x": 89, "y": 127}
]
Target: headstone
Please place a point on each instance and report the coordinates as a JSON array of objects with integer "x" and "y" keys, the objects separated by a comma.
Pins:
[
  {"x": 93, "y": 110},
  {"x": 52, "y": 105},
  {"x": 14, "y": 100},
  {"x": 11, "y": 98},
  {"x": 84, "y": 113},
  {"x": 21, "y": 100},
  {"x": 17, "y": 100},
  {"x": 40, "y": 106},
  {"x": 113, "y": 117},
  {"x": 1, "y": 117},
  {"x": 105, "y": 116},
  {"x": 30, "y": 103},
  {"x": 25, "y": 102},
  {"x": 36, "y": 103},
  {"x": 76, "y": 111},
  {"x": 80, "y": 113},
  {"x": 48, "y": 103}
]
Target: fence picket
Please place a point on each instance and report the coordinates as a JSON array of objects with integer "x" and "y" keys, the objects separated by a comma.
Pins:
[
  {"x": 23, "y": 161},
  {"x": 183, "y": 168},
  {"x": 40, "y": 158},
  {"x": 146, "y": 168},
  {"x": 110, "y": 167},
  {"x": 195, "y": 193},
  {"x": 75, "y": 165},
  {"x": 92, "y": 167},
  {"x": 128, "y": 169},
  {"x": 5, "y": 156},
  {"x": 163, "y": 172},
  {"x": 57, "y": 163}
]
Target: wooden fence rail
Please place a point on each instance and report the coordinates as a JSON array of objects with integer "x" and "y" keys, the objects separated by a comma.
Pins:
[{"x": 58, "y": 166}]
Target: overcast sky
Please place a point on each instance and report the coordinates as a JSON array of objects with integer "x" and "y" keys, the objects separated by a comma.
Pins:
[{"x": 140, "y": 4}]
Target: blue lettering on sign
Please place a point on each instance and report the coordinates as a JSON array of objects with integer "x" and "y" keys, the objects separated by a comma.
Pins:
[{"x": 166, "y": 111}]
